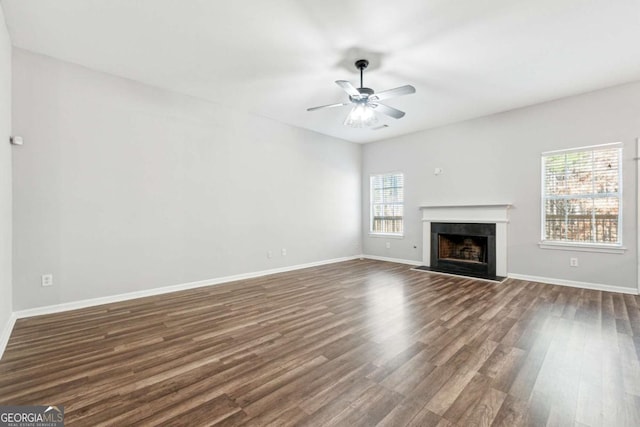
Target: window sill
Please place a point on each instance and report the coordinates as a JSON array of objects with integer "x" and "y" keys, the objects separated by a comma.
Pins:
[
  {"x": 387, "y": 235},
  {"x": 583, "y": 247}
]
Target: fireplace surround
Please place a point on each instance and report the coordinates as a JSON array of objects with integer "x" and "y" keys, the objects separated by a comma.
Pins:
[
  {"x": 464, "y": 248},
  {"x": 453, "y": 219}
]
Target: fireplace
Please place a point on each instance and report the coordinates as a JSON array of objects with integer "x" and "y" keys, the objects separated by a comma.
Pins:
[
  {"x": 464, "y": 248},
  {"x": 485, "y": 255}
]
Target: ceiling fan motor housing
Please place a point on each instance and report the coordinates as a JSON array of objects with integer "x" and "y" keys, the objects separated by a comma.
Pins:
[{"x": 365, "y": 93}]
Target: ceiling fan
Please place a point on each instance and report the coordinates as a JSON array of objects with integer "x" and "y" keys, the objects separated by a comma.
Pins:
[{"x": 366, "y": 101}]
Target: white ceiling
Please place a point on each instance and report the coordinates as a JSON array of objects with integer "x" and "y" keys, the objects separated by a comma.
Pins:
[{"x": 466, "y": 58}]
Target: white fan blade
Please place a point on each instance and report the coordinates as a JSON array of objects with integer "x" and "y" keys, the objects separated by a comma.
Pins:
[
  {"x": 328, "y": 106},
  {"x": 348, "y": 87},
  {"x": 390, "y": 93},
  {"x": 389, "y": 111}
]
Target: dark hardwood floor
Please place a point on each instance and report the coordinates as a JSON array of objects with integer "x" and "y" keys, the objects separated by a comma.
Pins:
[{"x": 355, "y": 343}]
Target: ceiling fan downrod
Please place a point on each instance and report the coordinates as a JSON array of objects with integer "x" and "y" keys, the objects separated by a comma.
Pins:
[{"x": 361, "y": 64}]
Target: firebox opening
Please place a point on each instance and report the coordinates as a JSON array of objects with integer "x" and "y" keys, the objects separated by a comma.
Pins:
[
  {"x": 471, "y": 249},
  {"x": 468, "y": 249}
]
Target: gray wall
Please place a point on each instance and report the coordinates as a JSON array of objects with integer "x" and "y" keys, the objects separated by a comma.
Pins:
[
  {"x": 122, "y": 187},
  {"x": 5, "y": 173},
  {"x": 497, "y": 159}
]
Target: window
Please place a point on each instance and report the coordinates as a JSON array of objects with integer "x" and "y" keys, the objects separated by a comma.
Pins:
[
  {"x": 582, "y": 195},
  {"x": 387, "y": 203}
]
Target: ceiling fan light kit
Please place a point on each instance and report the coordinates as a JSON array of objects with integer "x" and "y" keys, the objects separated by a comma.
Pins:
[
  {"x": 366, "y": 101},
  {"x": 361, "y": 116}
]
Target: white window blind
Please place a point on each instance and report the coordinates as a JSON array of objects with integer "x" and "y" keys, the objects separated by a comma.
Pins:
[
  {"x": 387, "y": 203},
  {"x": 582, "y": 195}
]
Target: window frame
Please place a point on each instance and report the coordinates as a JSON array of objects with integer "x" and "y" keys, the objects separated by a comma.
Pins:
[
  {"x": 371, "y": 204},
  {"x": 575, "y": 245}
]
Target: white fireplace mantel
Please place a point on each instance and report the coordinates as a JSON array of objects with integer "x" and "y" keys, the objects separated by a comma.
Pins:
[{"x": 491, "y": 213}]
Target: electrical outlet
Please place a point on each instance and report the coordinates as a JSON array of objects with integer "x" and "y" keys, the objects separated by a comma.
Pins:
[
  {"x": 388, "y": 245},
  {"x": 269, "y": 254},
  {"x": 47, "y": 280},
  {"x": 573, "y": 262},
  {"x": 284, "y": 252}
]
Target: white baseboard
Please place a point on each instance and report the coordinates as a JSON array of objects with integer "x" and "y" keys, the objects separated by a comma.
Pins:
[
  {"x": 6, "y": 333},
  {"x": 396, "y": 260},
  {"x": 574, "y": 284},
  {"x": 58, "y": 308}
]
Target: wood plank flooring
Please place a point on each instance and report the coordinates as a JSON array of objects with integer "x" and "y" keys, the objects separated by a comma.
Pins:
[{"x": 359, "y": 343}]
